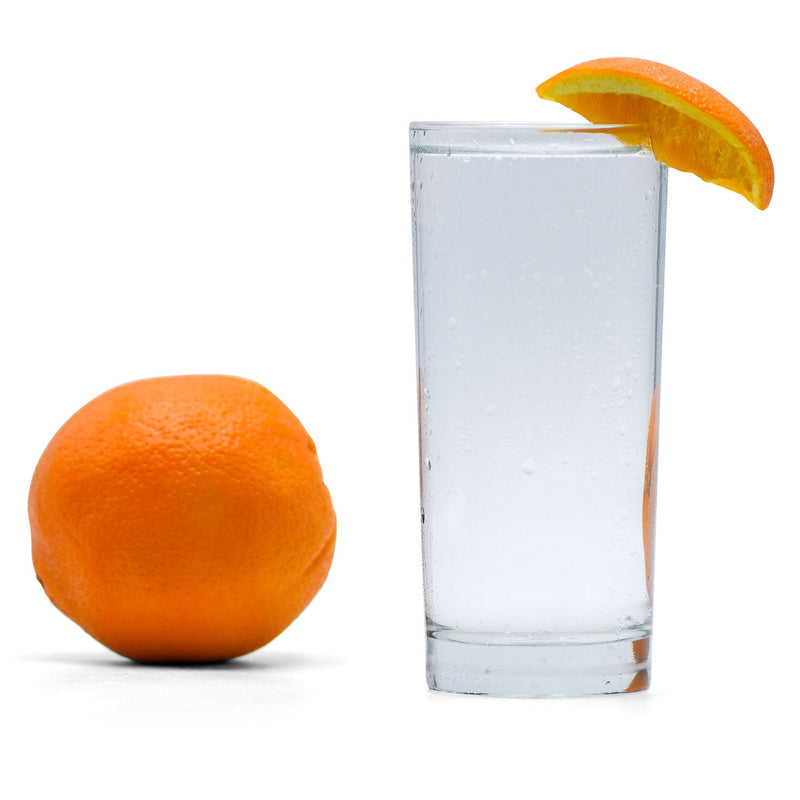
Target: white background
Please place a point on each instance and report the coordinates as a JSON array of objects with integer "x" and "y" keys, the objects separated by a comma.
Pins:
[{"x": 223, "y": 187}]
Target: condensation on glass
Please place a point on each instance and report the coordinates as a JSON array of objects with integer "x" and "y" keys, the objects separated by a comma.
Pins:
[{"x": 538, "y": 261}]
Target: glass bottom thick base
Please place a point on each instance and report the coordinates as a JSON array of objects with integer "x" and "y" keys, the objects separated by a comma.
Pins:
[{"x": 532, "y": 667}]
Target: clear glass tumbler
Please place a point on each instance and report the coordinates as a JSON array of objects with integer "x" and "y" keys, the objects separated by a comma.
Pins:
[{"x": 538, "y": 257}]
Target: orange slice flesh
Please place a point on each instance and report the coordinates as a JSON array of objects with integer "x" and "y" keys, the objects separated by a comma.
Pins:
[{"x": 691, "y": 126}]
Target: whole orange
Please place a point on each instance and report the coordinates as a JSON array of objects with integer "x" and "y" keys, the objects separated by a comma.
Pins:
[{"x": 182, "y": 518}]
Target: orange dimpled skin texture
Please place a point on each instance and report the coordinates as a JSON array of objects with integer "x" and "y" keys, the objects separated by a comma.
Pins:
[{"x": 182, "y": 519}]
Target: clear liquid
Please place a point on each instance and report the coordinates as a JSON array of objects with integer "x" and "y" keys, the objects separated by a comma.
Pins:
[{"x": 539, "y": 309}]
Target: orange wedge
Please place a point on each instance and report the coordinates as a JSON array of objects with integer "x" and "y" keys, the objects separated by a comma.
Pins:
[{"x": 691, "y": 126}]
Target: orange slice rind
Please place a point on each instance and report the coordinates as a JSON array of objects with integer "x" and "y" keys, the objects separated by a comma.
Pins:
[{"x": 691, "y": 126}]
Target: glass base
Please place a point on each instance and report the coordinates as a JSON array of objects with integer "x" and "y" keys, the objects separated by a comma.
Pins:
[{"x": 528, "y": 667}]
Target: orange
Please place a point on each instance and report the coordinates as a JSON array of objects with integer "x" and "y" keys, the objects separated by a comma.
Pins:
[
  {"x": 691, "y": 126},
  {"x": 182, "y": 519},
  {"x": 641, "y": 647},
  {"x": 640, "y": 681},
  {"x": 649, "y": 493}
]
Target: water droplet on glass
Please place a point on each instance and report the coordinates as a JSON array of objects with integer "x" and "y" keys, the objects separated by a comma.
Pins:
[{"x": 528, "y": 467}]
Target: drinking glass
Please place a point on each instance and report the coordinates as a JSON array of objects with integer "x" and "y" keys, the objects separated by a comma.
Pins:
[{"x": 538, "y": 263}]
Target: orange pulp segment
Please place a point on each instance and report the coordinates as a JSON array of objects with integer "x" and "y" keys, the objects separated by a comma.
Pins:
[{"x": 691, "y": 126}]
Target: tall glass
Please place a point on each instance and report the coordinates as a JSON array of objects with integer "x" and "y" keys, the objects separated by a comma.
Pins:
[{"x": 538, "y": 256}]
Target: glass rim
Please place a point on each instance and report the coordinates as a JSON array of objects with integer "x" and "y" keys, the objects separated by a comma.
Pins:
[{"x": 527, "y": 138}]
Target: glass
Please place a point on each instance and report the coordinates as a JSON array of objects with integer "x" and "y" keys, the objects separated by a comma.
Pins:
[{"x": 538, "y": 262}]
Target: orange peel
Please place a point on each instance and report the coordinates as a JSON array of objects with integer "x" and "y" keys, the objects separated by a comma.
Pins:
[{"x": 691, "y": 126}]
